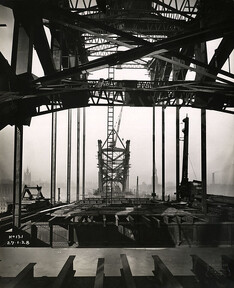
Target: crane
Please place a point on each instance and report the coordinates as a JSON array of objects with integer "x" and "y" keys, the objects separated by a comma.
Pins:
[
  {"x": 113, "y": 162},
  {"x": 188, "y": 190},
  {"x": 118, "y": 126}
]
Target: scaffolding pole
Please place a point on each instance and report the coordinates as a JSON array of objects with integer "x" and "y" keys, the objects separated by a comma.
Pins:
[
  {"x": 154, "y": 167},
  {"x": 84, "y": 128},
  {"x": 203, "y": 161},
  {"x": 163, "y": 154},
  {"x": 53, "y": 157},
  {"x": 177, "y": 152},
  {"x": 78, "y": 157},
  {"x": 69, "y": 156}
]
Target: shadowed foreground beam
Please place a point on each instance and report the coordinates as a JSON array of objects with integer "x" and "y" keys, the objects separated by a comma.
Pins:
[
  {"x": 163, "y": 274},
  {"x": 126, "y": 272},
  {"x": 23, "y": 277},
  {"x": 66, "y": 274},
  {"x": 99, "y": 279}
]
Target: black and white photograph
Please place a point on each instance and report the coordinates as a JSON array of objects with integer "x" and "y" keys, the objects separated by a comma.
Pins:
[{"x": 116, "y": 143}]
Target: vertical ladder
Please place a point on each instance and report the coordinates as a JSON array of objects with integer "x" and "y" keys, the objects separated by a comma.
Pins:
[{"x": 110, "y": 140}]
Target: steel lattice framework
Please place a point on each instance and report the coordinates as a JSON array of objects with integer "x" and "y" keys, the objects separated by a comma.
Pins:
[
  {"x": 74, "y": 37},
  {"x": 113, "y": 163}
]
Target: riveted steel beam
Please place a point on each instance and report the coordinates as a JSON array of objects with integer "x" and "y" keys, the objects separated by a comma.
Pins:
[
  {"x": 196, "y": 36},
  {"x": 66, "y": 17}
]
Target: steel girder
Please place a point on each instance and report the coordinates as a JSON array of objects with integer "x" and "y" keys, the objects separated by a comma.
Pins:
[
  {"x": 197, "y": 36},
  {"x": 130, "y": 93},
  {"x": 216, "y": 63},
  {"x": 144, "y": 93},
  {"x": 82, "y": 18}
]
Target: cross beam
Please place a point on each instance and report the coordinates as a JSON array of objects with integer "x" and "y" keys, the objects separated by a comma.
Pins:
[{"x": 196, "y": 36}]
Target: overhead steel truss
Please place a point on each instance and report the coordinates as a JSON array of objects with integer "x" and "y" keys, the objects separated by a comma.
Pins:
[
  {"x": 197, "y": 94},
  {"x": 162, "y": 36}
]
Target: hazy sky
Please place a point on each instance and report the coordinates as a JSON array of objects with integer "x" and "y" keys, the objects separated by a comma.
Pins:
[{"x": 136, "y": 126}]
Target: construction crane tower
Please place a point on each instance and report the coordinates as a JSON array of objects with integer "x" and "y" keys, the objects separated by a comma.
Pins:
[{"x": 113, "y": 162}]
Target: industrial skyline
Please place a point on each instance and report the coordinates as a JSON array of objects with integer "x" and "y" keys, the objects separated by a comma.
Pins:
[{"x": 131, "y": 128}]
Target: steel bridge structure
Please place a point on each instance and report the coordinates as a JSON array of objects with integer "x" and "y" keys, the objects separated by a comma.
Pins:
[
  {"x": 75, "y": 37},
  {"x": 113, "y": 163},
  {"x": 166, "y": 40}
]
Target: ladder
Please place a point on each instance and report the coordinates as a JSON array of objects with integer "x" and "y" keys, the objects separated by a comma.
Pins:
[{"x": 110, "y": 141}]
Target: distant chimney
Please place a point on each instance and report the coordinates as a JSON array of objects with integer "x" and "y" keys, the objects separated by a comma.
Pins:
[{"x": 137, "y": 188}]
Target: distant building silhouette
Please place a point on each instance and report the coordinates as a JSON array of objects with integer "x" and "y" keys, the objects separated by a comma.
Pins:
[
  {"x": 6, "y": 194},
  {"x": 27, "y": 177},
  {"x": 3, "y": 206}
]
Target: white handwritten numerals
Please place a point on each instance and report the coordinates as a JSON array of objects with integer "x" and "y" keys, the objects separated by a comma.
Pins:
[
  {"x": 16, "y": 243},
  {"x": 17, "y": 240},
  {"x": 18, "y": 236}
]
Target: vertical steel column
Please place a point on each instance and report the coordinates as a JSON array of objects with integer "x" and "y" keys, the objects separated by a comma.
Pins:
[
  {"x": 70, "y": 236},
  {"x": 15, "y": 45},
  {"x": 175, "y": 71},
  {"x": 18, "y": 155},
  {"x": 201, "y": 55},
  {"x": 18, "y": 144},
  {"x": 127, "y": 182},
  {"x": 78, "y": 157},
  {"x": 100, "y": 166},
  {"x": 59, "y": 193},
  {"x": 69, "y": 156},
  {"x": 30, "y": 50},
  {"x": 184, "y": 180},
  {"x": 53, "y": 158},
  {"x": 137, "y": 188},
  {"x": 154, "y": 168},
  {"x": 203, "y": 160},
  {"x": 51, "y": 234},
  {"x": 83, "y": 180},
  {"x": 163, "y": 154},
  {"x": 57, "y": 62},
  {"x": 125, "y": 179},
  {"x": 33, "y": 238},
  {"x": 177, "y": 152}
]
